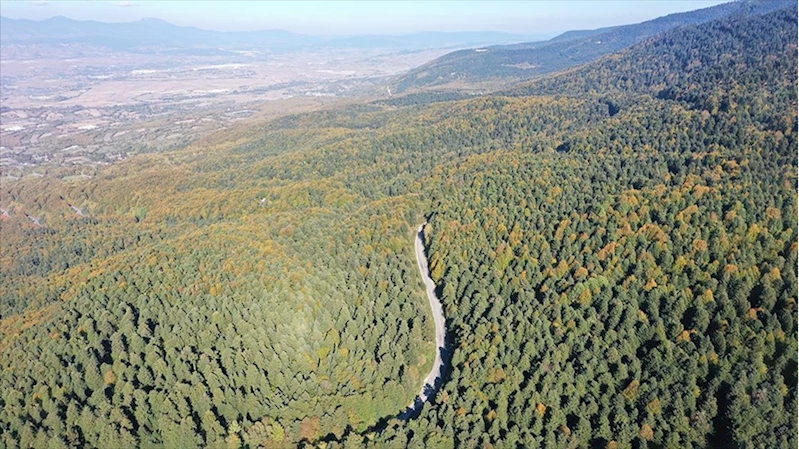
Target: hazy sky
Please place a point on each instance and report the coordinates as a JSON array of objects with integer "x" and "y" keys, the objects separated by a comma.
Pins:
[{"x": 359, "y": 17}]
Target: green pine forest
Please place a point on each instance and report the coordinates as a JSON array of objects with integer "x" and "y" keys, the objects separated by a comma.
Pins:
[{"x": 615, "y": 248}]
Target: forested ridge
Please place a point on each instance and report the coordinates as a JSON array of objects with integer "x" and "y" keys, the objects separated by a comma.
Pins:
[
  {"x": 472, "y": 69},
  {"x": 615, "y": 248}
]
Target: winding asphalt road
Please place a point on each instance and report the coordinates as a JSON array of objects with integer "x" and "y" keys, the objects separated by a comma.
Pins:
[{"x": 429, "y": 386}]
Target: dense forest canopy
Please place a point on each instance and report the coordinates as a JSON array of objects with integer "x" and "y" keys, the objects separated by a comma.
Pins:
[
  {"x": 501, "y": 65},
  {"x": 615, "y": 248}
]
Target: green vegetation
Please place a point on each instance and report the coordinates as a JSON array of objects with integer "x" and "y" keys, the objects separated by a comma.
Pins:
[
  {"x": 500, "y": 65},
  {"x": 615, "y": 248},
  {"x": 185, "y": 310}
]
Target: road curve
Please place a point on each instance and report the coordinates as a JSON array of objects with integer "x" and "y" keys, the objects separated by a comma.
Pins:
[{"x": 429, "y": 386}]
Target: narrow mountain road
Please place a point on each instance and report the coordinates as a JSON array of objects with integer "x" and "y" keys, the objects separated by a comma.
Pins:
[{"x": 431, "y": 382}]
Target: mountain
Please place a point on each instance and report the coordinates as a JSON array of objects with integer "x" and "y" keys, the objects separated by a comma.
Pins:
[
  {"x": 64, "y": 30},
  {"x": 508, "y": 63},
  {"x": 620, "y": 253},
  {"x": 150, "y": 34},
  {"x": 704, "y": 81},
  {"x": 615, "y": 249}
]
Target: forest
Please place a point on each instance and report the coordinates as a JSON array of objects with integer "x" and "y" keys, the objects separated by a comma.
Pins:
[
  {"x": 615, "y": 247},
  {"x": 501, "y": 65}
]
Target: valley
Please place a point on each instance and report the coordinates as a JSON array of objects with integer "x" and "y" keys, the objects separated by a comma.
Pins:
[{"x": 66, "y": 119}]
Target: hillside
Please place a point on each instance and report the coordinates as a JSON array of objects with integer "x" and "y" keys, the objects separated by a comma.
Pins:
[
  {"x": 503, "y": 64},
  {"x": 615, "y": 249}
]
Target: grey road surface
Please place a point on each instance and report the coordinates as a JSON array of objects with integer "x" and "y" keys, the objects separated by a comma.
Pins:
[{"x": 428, "y": 388}]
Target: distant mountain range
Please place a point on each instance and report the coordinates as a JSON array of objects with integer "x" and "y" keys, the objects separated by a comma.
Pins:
[
  {"x": 156, "y": 35},
  {"x": 504, "y": 64}
]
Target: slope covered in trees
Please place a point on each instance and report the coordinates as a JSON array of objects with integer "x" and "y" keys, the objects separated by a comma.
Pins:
[
  {"x": 503, "y": 64},
  {"x": 639, "y": 285},
  {"x": 615, "y": 249},
  {"x": 260, "y": 289}
]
